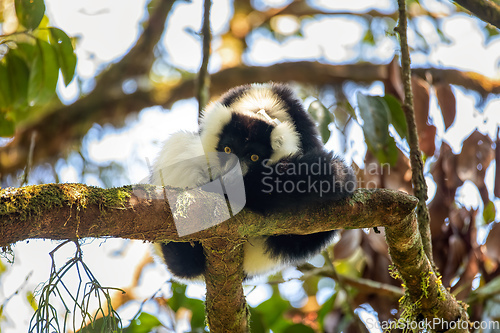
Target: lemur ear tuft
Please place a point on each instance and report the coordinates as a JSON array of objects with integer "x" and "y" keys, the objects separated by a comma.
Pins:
[
  {"x": 215, "y": 117},
  {"x": 285, "y": 141}
]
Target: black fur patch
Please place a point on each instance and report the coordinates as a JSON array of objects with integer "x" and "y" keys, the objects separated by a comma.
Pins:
[
  {"x": 298, "y": 181},
  {"x": 291, "y": 248},
  {"x": 183, "y": 259},
  {"x": 313, "y": 177},
  {"x": 247, "y": 136},
  {"x": 304, "y": 125},
  {"x": 233, "y": 94}
]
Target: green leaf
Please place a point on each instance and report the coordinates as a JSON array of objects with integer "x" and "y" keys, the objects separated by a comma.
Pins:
[
  {"x": 19, "y": 75},
  {"x": 489, "y": 211},
  {"x": 369, "y": 38},
  {"x": 43, "y": 75},
  {"x": 257, "y": 322},
  {"x": 42, "y": 32},
  {"x": 323, "y": 117},
  {"x": 398, "y": 118},
  {"x": 30, "y": 12},
  {"x": 179, "y": 299},
  {"x": 491, "y": 32},
  {"x": 5, "y": 89},
  {"x": 347, "y": 107},
  {"x": 179, "y": 296},
  {"x": 103, "y": 324},
  {"x": 143, "y": 324},
  {"x": 65, "y": 54},
  {"x": 389, "y": 153},
  {"x": 7, "y": 125},
  {"x": 376, "y": 117},
  {"x": 486, "y": 291},
  {"x": 298, "y": 328},
  {"x": 273, "y": 309},
  {"x": 198, "y": 312},
  {"x": 326, "y": 308},
  {"x": 25, "y": 51}
]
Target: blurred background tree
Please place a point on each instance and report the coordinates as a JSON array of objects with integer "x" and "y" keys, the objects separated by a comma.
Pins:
[{"x": 98, "y": 120}]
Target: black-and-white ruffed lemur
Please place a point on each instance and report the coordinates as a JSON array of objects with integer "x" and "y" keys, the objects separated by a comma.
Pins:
[{"x": 284, "y": 167}]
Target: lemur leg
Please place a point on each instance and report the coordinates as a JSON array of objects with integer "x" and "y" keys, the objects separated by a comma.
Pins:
[{"x": 184, "y": 260}]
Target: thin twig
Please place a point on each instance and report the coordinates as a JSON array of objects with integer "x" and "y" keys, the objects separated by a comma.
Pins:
[
  {"x": 350, "y": 303},
  {"x": 417, "y": 165},
  {"x": 203, "y": 83},
  {"x": 29, "y": 163},
  {"x": 361, "y": 284}
]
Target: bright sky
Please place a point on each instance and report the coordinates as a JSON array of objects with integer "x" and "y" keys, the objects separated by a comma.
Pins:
[{"x": 107, "y": 29}]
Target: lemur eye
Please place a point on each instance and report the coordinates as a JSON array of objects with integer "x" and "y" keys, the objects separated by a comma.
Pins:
[
  {"x": 254, "y": 157},
  {"x": 227, "y": 150}
]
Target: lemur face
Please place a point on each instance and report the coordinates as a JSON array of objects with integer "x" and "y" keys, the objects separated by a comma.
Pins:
[{"x": 249, "y": 138}]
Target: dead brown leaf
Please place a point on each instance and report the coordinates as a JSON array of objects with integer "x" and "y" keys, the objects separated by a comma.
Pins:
[
  {"x": 496, "y": 191},
  {"x": 476, "y": 155},
  {"x": 393, "y": 84},
  {"x": 447, "y": 103},
  {"x": 426, "y": 132}
]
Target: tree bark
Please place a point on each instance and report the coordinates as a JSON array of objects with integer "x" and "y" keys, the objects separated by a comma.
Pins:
[
  {"x": 73, "y": 211},
  {"x": 417, "y": 164},
  {"x": 70, "y": 211}
]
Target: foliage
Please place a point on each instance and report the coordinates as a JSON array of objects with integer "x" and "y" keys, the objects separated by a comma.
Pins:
[
  {"x": 29, "y": 68},
  {"x": 376, "y": 116},
  {"x": 46, "y": 317},
  {"x": 34, "y": 52}
]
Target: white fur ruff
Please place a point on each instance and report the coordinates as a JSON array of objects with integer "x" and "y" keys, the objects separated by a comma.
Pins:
[
  {"x": 261, "y": 97},
  {"x": 181, "y": 162},
  {"x": 285, "y": 140},
  {"x": 215, "y": 117}
]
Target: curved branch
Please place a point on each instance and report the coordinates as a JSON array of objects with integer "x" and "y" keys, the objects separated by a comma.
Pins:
[
  {"x": 361, "y": 284},
  {"x": 70, "y": 211},
  {"x": 488, "y": 11},
  {"x": 465, "y": 79},
  {"x": 72, "y": 122},
  {"x": 138, "y": 61},
  {"x": 417, "y": 164}
]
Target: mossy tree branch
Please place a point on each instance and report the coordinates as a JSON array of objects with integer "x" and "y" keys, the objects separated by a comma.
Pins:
[
  {"x": 72, "y": 211},
  {"x": 69, "y": 211}
]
